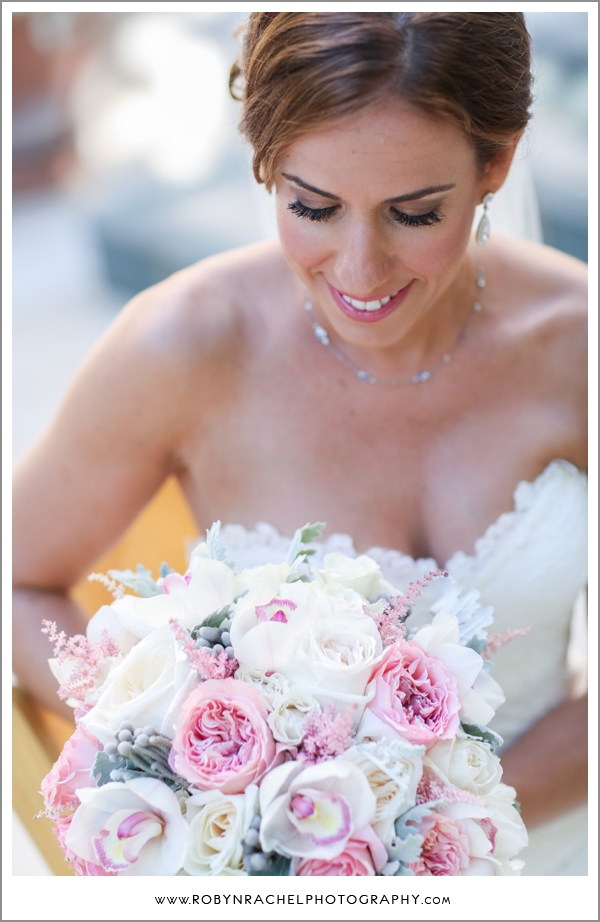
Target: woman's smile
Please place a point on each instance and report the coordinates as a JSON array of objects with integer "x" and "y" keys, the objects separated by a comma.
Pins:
[{"x": 372, "y": 310}]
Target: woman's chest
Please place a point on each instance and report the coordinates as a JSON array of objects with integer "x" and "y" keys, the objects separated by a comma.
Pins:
[{"x": 391, "y": 471}]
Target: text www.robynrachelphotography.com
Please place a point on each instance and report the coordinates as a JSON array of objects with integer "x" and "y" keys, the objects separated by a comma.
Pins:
[{"x": 305, "y": 899}]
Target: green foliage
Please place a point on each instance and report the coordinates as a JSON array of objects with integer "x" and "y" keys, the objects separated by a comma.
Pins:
[
  {"x": 279, "y": 868},
  {"x": 312, "y": 532},
  {"x": 213, "y": 550},
  {"x": 102, "y": 767},
  {"x": 140, "y": 581},
  {"x": 484, "y": 734},
  {"x": 298, "y": 552},
  {"x": 215, "y": 619}
]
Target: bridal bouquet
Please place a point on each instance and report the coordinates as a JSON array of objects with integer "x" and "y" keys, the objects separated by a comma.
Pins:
[{"x": 281, "y": 720}]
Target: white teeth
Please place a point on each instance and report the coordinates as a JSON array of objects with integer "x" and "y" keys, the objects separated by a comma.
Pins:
[{"x": 368, "y": 305}]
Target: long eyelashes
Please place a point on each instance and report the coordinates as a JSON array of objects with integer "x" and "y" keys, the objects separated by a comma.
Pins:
[
  {"x": 313, "y": 214},
  {"x": 324, "y": 214},
  {"x": 417, "y": 220}
]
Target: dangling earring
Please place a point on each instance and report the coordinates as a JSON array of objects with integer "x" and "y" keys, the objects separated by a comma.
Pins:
[{"x": 482, "y": 234}]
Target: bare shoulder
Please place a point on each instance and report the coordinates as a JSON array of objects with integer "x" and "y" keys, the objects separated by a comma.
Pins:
[
  {"x": 175, "y": 345},
  {"x": 541, "y": 295},
  {"x": 549, "y": 281},
  {"x": 538, "y": 296},
  {"x": 201, "y": 313}
]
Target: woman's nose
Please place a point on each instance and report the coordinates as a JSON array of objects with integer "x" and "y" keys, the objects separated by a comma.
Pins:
[{"x": 364, "y": 264}]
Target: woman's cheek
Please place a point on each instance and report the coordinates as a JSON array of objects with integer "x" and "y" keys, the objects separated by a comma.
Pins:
[
  {"x": 304, "y": 246},
  {"x": 434, "y": 251}
]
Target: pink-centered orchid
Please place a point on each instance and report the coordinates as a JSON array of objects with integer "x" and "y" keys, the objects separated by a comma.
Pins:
[
  {"x": 265, "y": 624},
  {"x": 313, "y": 812},
  {"x": 130, "y": 828}
]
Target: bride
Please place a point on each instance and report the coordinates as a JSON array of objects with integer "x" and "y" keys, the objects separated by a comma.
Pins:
[{"x": 375, "y": 368}]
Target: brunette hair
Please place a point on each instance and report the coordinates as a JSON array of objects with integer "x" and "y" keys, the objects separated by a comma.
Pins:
[{"x": 299, "y": 71}]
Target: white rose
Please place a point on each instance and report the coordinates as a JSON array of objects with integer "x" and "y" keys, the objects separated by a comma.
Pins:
[
  {"x": 289, "y": 712},
  {"x": 467, "y": 763},
  {"x": 133, "y": 827},
  {"x": 147, "y": 687},
  {"x": 337, "y": 654},
  {"x": 270, "y": 686},
  {"x": 393, "y": 769},
  {"x": 312, "y": 812},
  {"x": 275, "y": 575},
  {"x": 218, "y": 825},
  {"x": 362, "y": 574},
  {"x": 478, "y": 693},
  {"x": 337, "y": 599}
]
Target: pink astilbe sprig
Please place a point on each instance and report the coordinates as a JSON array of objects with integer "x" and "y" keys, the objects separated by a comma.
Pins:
[
  {"x": 117, "y": 590},
  {"x": 432, "y": 788},
  {"x": 495, "y": 641},
  {"x": 207, "y": 664},
  {"x": 390, "y": 622},
  {"x": 88, "y": 659},
  {"x": 326, "y": 735}
]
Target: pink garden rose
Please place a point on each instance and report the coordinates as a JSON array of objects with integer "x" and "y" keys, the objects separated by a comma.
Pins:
[
  {"x": 415, "y": 698},
  {"x": 71, "y": 770},
  {"x": 466, "y": 835},
  {"x": 363, "y": 856},
  {"x": 81, "y": 867},
  {"x": 445, "y": 849},
  {"x": 223, "y": 739}
]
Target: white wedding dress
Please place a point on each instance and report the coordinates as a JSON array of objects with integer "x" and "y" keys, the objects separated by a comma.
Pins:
[{"x": 530, "y": 565}]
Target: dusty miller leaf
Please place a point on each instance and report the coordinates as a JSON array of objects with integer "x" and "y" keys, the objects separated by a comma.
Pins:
[
  {"x": 484, "y": 734},
  {"x": 140, "y": 581}
]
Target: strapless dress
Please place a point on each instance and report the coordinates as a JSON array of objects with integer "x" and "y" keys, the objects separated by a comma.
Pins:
[{"x": 531, "y": 566}]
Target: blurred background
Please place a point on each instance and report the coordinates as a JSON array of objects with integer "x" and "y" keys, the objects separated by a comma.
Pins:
[{"x": 127, "y": 166}]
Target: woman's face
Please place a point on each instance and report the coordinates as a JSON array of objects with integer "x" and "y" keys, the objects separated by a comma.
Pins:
[{"x": 378, "y": 210}]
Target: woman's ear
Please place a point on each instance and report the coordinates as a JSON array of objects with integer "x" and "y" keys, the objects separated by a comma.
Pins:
[{"x": 496, "y": 169}]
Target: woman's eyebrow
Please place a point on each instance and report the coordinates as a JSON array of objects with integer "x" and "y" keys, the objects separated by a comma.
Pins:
[
  {"x": 420, "y": 193},
  {"x": 409, "y": 197},
  {"x": 305, "y": 185}
]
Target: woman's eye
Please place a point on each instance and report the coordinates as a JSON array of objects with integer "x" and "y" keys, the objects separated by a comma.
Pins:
[
  {"x": 313, "y": 214},
  {"x": 417, "y": 220}
]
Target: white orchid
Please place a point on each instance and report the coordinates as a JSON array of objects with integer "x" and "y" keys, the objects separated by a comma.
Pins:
[
  {"x": 312, "y": 812},
  {"x": 133, "y": 828}
]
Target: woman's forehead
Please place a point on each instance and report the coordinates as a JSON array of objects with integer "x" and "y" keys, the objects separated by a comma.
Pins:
[{"x": 394, "y": 148}]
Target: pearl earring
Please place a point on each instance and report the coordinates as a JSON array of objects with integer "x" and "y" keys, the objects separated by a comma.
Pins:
[{"x": 482, "y": 234}]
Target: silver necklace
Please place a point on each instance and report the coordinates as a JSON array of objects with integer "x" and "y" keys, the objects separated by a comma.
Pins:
[{"x": 323, "y": 336}]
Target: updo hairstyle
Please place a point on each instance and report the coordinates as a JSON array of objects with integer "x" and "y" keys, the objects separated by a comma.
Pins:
[{"x": 301, "y": 71}]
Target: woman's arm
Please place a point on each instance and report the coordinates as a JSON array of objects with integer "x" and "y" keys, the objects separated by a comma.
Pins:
[
  {"x": 548, "y": 765},
  {"x": 31, "y": 649},
  {"x": 112, "y": 444}
]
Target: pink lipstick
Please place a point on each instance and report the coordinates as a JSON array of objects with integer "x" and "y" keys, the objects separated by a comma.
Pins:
[{"x": 369, "y": 311}]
